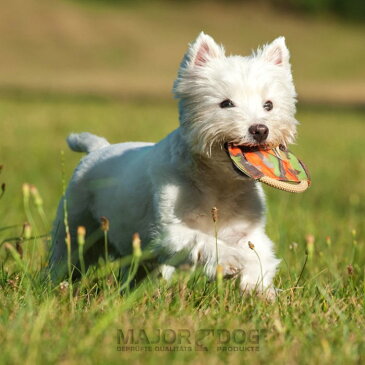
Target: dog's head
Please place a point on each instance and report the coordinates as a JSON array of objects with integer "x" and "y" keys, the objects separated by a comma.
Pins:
[{"x": 233, "y": 99}]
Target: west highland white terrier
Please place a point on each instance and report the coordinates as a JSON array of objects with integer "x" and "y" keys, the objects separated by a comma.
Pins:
[{"x": 166, "y": 191}]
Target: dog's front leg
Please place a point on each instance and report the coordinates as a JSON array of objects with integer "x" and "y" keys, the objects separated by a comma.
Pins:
[
  {"x": 176, "y": 243},
  {"x": 260, "y": 263},
  {"x": 180, "y": 245}
]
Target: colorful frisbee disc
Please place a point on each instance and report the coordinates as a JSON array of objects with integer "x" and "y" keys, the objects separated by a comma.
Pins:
[{"x": 276, "y": 167}]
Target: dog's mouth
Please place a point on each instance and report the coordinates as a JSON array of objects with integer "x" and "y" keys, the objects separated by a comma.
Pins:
[{"x": 251, "y": 147}]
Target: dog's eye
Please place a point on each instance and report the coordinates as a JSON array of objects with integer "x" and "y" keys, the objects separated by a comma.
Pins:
[
  {"x": 226, "y": 104},
  {"x": 268, "y": 105}
]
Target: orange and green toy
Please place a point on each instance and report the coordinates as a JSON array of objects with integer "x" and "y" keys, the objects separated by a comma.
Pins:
[{"x": 276, "y": 167}]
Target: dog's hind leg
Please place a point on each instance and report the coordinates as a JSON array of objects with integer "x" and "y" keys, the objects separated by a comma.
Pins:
[
  {"x": 167, "y": 271},
  {"x": 77, "y": 215},
  {"x": 93, "y": 249}
]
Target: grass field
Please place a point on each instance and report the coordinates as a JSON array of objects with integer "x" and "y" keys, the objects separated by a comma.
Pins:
[{"x": 319, "y": 320}]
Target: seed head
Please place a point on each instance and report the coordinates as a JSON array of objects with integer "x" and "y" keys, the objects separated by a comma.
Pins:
[
  {"x": 26, "y": 190},
  {"x": 219, "y": 275},
  {"x": 19, "y": 248},
  {"x": 68, "y": 239},
  {"x": 136, "y": 244},
  {"x": 354, "y": 240},
  {"x": 350, "y": 270},
  {"x": 251, "y": 245},
  {"x": 219, "y": 272},
  {"x": 104, "y": 224},
  {"x": 310, "y": 244},
  {"x": 310, "y": 238},
  {"x": 27, "y": 231},
  {"x": 38, "y": 201},
  {"x": 81, "y": 233},
  {"x": 215, "y": 214}
]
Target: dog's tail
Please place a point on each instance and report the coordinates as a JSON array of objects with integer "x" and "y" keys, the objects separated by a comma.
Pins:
[{"x": 86, "y": 142}]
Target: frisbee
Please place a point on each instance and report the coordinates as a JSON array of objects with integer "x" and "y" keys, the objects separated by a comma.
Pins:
[{"x": 276, "y": 167}]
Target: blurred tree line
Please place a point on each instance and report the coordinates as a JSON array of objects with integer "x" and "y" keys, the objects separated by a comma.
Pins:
[{"x": 346, "y": 9}]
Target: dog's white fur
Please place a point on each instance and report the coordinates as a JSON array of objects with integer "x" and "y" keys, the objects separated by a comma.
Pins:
[{"x": 166, "y": 191}]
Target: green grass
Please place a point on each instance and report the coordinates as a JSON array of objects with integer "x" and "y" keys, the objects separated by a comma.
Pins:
[{"x": 320, "y": 321}]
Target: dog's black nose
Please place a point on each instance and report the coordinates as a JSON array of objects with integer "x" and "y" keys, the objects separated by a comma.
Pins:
[{"x": 259, "y": 132}]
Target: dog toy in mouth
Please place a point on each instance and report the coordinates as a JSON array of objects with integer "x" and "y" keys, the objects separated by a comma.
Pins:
[{"x": 276, "y": 167}]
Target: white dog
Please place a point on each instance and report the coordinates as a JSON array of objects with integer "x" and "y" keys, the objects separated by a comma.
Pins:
[{"x": 165, "y": 191}]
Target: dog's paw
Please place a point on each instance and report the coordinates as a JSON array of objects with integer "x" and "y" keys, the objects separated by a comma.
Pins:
[
  {"x": 230, "y": 271},
  {"x": 270, "y": 294}
]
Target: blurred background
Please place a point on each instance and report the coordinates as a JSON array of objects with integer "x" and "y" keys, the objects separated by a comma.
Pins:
[
  {"x": 108, "y": 67},
  {"x": 131, "y": 49}
]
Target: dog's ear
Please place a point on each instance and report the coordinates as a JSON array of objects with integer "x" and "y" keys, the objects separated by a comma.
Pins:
[
  {"x": 276, "y": 52},
  {"x": 199, "y": 53},
  {"x": 203, "y": 49}
]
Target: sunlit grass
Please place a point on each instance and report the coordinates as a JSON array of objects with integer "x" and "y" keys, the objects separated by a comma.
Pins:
[{"x": 319, "y": 316}]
